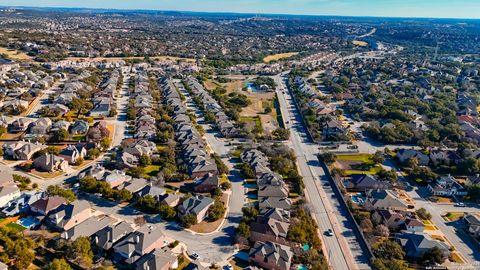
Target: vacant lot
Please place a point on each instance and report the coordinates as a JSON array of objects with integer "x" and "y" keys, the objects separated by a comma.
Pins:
[
  {"x": 360, "y": 43},
  {"x": 259, "y": 102},
  {"x": 278, "y": 56},
  {"x": 357, "y": 164},
  {"x": 14, "y": 54}
]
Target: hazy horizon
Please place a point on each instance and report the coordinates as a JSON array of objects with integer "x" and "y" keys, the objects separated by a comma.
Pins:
[{"x": 462, "y": 9}]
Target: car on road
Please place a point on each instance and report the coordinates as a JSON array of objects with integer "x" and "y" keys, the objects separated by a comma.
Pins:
[
  {"x": 195, "y": 256},
  {"x": 460, "y": 204},
  {"x": 329, "y": 232},
  {"x": 228, "y": 267}
]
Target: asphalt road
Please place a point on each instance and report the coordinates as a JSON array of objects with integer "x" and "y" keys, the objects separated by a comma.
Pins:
[{"x": 343, "y": 250}]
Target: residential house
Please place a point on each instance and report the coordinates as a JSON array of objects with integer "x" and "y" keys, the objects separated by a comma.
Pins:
[
  {"x": 141, "y": 147},
  {"x": 8, "y": 189},
  {"x": 61, "y": 124},
  {"x": 170, "y": 199},
  {"x": 156, "y": 192},
  {"x": 384, "y": 199},
  {"x": 473, "y": 224},
  {"x": 207, "y": 183},
  {"x": 415, "y": 245},
  {"x": 117, "y": 178},
  {"x": 405, "y": 154},
  {"x": 269, "y": 229},
  {"x": 72, "y": 154},
  {"x": 87, "y": 228},
  {"x": 41, "y": 126},
  {"x": 271, "y": 255},
  {"x": 67, "y": 216},
  {"x": 146, "y": 239},
  {"x": 127, "y": 160},
  {"x": 25, "y": 151},
  {"x": 79, "y": 127},
  {"x": 21, "y": 204},
  {"x": 398, "y": 220},
  {"x": 51, "y": 163},
  {"x": 364, "y": 182},
  {"x": 108, "y": 236},
  {"x": 19, "y": 125},
  {"x": 446, "y": 186},
  {"x": 197, "y": 206},
  {"x": 159, "y": 259},
  {"x": 274, "y": 202},
  {"x": 44, "y": 205}
]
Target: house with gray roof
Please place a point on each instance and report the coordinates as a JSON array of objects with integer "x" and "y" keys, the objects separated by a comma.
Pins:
[
  {"x": 41, "y": 127},
  {"x": 364, "y": 182},
  {"x": 271, "y": 255},
  {"x": 415, "y": 245},
  {"x": 87, "y": 228},
  {"x": 79, "y": 127},
  {"x": 446, "y": 186},
  {"x": 472, "y": 222},
  {"x": 50, "y": 163},
  {"x": 139, "y": 243},
  {"x": 21, "y": 204},
  {"x": 197, "y": 206},
  {"x": 111, "y": 234},
  {"x": 384, "y": 199},
  {"x": 159, "y": 259},
  {"x": 67, "y": 216},
  {"x": 274, "y": 202},
  {"x": 25, "y": 151}
]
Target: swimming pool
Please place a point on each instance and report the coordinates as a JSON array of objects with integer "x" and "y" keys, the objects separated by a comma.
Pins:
[{"x": 358, "y": 198}]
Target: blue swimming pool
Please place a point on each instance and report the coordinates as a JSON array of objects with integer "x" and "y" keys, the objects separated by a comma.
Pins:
[
  {"x": 302, "y": 267},
  {"x": 358, "y": 198},
  {"x": 28, "y": 222}
]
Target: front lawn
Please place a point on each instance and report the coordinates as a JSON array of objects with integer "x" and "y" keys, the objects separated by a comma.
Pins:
[
  {"x": 453, "y": 216},
  {"x": 152, "y": 169},
  {"x": 366, "y": 158}
]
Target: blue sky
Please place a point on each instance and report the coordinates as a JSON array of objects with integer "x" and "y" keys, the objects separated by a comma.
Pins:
[{"x": 388, "y": 8}]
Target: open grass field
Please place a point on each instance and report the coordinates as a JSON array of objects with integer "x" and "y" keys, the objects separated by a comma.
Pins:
[
  {"x": 14, "y": 54},
  {"x": 357, "y": 164},
  {"x": 360, "y": 43},
  {"x": 152, "y": 169},
  {"x": 278, "y": 56}
]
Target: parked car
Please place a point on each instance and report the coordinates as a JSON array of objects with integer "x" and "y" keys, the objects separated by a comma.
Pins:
[
  {"x": 195, "y": 256},
  {"x": 460, "y": 204}
]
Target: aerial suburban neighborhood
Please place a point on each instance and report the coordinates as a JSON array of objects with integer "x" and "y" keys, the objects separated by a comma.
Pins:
[{"x": 156, "y": 140}]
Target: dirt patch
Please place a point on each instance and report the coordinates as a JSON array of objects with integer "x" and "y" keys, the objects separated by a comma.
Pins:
[
  {"x": 14, "y": 54},
  {"x": 278, "y": 56}
]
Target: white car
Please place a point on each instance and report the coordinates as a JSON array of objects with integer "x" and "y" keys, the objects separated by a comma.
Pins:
[
  {"x": 195, "y": 256},
  {"x": 329, "y": 232},
  {"x": 460, "y": 204}
]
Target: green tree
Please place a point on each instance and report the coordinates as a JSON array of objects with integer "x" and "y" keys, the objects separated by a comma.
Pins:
[
  {"x": 167, "y": 212},
  {"x": 423, "y": 214},
  {"x": 80, "y": 250},
  {"x": 188, "y": 220},
  {"x": 93, "y": 153},
  {"x": 56, "y": 190},
  {"x": 145, "y": 160},
  {"x": 243, "y": 229},
  {"x": 433, "y": 256},
  {"x": 88, "y": 184},
  {"x": 58, "y": 264},
  {"x": 147, "y": 203},
  {"x": 328, "y": 157},
  {"x": 122, "y": 195},
  {"x": 216, "y": 211},
  {"x": 60, "y": 135},
  {"x": 378, "y": 157},
  {"x": 388, "y": 250}
]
